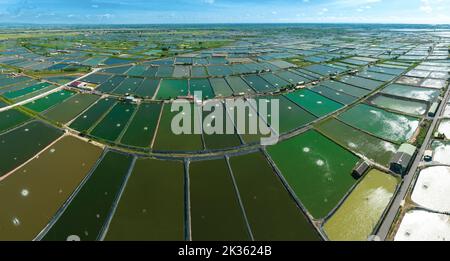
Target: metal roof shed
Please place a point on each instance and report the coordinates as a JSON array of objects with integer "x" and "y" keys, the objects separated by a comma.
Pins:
[{"x": 407, "y": 149}]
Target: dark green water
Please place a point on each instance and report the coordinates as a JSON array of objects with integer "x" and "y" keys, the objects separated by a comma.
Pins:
[
  {"x": 318, "y": 170},
  {"x": 129, "y": 85},
  {"x": 87, "y": 120},
  {"x": 373, "y": 148},
  {"x": 11, "y": 118},
  {"x": 201, "y": 85},
  {"x": 387, "y": 125},
  {"x": 114, "y": 122},
  {"x": 147, "y": 88},
  {"x": 142, "y": 128},
  {"x": 170, "y": 88},
  {"x": 313, "y": 102},
  {"x": 21, "y": 144},
  {"x": 271, "y": 211},
  {"x": 338, "y": 96},
  {"x": 152, "y": 205},
  {"x": 49, "y": 101},
  {"x": 32, "y": 195},
  {"x": 89, "y": 209},
  {"x": 111, "y": 84},
  {"x": 166, "y": 140},
  {"x": 215, "y": 211},
  {"x": 219, "y": 141},
  {"x": 69, "y": 109}
]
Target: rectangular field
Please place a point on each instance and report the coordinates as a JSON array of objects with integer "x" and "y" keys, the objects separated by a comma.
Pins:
[
  {"x": 317, "y": 170},
  {"x": 152, "y": 205},
  {"x": 19, "y": 145},
  {"x": 34, "y": 193},
  {"x": 215, "y": 211},
  {"x": 271, "y": 211},
  {"x": 88, "y": 211}
]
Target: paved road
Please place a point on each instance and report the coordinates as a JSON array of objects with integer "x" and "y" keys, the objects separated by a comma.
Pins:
[
  {"x": 394, "y": 208},
  {"x": 45, "y": 94}
]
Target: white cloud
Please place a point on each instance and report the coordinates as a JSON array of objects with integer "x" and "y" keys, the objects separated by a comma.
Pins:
[
  {"x": 350, "y": 3},
  {"x": 426, "y": 6},
  {"x": 430, "y": 6}
]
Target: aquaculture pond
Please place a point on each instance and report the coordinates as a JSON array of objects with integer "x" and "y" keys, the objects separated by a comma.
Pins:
[
  {"x": 17, "y": 87},
  {"x": 386, "y": 125},
  {"x": 117, "y": 70},
  {"x": 128, "y": 86},
  {"x": 215, "y": 210},
  {"x": 72, "y": 107},
  {"x": 317, "y": 170},
  {"x": 446, "y": 112},
  {"x": 360, "y": 142},
  {"x": 292, "y": 77},
  {"x": 87, "y": 213},
  {"x": 414, "y": 81},
  {"x": 434, "y": 83},
  {"x": 219, "y": 70},
  {"x": 203, "y": 86},
  {"x": 152, "y": 205},
  {"x": 181, "y": 71},
  {"x": 441, "y": 152},
  {"x": 88, "y": 119},
  {"x": 380, "y": 69},
  {"x": 34, "y": 94},
  {"x": 238, "y": 85},
  {"x": 334, "y": 95},
  {"x": 291, "y": 115},
  {"x": 431, "y": 189},
  {"x": 28, "y": 90},
  {"x": 346, "y": 88},
  {"x": 21, "y": 144},
  {"x": 137, "y": 70},
  {"x": 11, "y": 118},
  {"x": 411, "y": 92},
  {"x": 259, "y": 84},
  {"x": 148, "y": 88},
  {"x": 111, "y": 84},
  {"x": 5, "y": 81},
  {"x": 167, "y": 141},
  {"x": 313, "y": 102},
  {"x": 165, "y": 71},
  {"x": 97, "y": 78},
  {"x": 49, "y": 101},
  {"x": 114, "y": 123},
  {"x": 271, "y": 212},
  {"x": 377, "y": 76},
  {"x": 323, "y": 69},
  {"x": 362, "y": 82},
  {"x": 358, "y": 216},
  {"x": 198, "y": 72},
  {"x": 420, "y": 225},
  {"x": 274, "y": 80},
  {"x": 30, "y": 201},
  {"x": 221, "y": 87},
  {"x": 142, "y": 128},
  {"x": 444, "y": 127},
  {"x": 220, "y": 140},
  {"x": 171, "y": 88},
  {"x": 413, "y": 107},
  {"x": 249, "y": 134}
]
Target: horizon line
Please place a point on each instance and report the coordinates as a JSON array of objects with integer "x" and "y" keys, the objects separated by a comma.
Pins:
[{"x": 230, "y": 23}]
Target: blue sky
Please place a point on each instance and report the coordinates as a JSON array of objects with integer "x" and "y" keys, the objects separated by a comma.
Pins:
[{"x": 224, "y": 11}]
